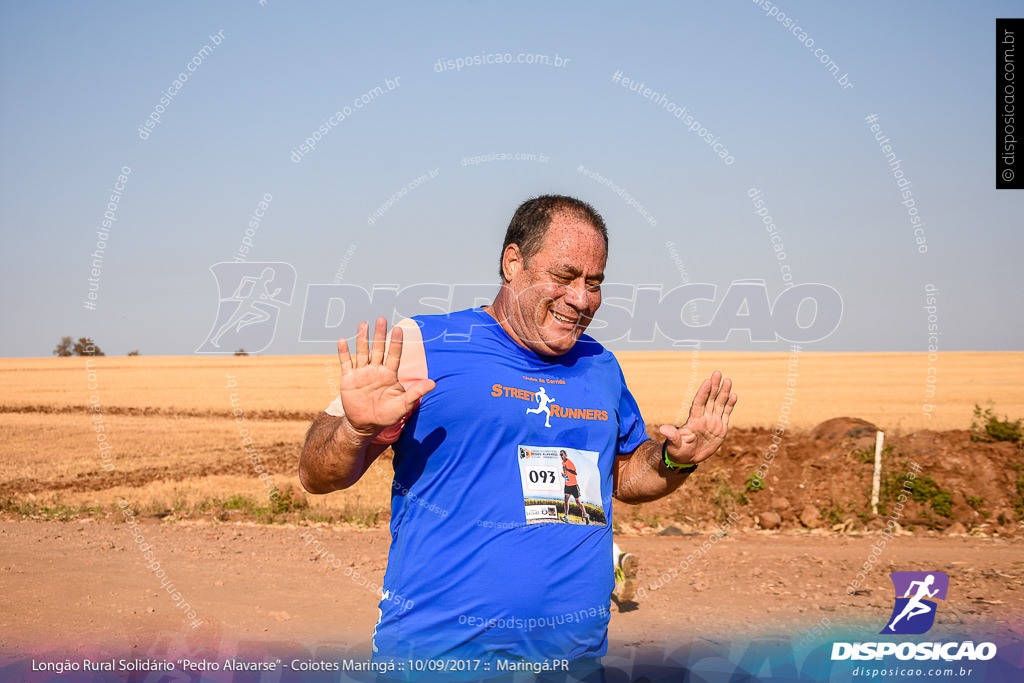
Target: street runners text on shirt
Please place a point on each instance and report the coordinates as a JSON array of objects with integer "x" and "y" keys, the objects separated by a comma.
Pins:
[{"x": 556, "y": 410}]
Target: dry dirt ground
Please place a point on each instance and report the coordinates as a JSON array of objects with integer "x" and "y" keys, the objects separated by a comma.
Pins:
[{"x": 82, "y": 587}]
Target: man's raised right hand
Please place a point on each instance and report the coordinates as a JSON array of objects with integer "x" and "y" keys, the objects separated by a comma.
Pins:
[{"x": 371, "y": 395}]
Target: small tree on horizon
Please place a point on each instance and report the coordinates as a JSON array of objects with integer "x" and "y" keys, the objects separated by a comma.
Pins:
[
  {"x": 85, "y": 347},
  {"x": 64, "y": 348}
]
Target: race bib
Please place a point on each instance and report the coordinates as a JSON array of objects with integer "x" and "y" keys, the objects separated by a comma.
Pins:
[{"x": 552, "y": 475}]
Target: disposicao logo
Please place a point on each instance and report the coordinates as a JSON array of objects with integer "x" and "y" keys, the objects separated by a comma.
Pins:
[
  {"x": 250, "y": 299},
  {"x": 916, "y": 596}
]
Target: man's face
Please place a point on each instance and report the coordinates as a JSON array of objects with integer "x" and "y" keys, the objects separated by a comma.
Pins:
[{"x": 557, "y": 292}]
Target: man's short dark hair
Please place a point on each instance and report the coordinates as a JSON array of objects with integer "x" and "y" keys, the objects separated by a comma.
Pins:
[{"x": 530, "y": 223}]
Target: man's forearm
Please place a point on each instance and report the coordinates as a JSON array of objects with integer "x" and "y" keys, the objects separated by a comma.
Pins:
[
  {"x": 643, "y": 476},
  {"x": 334, "y": 456}
]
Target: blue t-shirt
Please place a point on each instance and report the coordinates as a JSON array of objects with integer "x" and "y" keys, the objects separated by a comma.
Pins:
[{"x": 487, "y": 561}]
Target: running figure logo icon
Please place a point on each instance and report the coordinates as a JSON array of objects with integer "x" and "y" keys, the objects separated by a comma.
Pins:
[
  {"x": 916, "y": 595},
  {"x": 250, "y": 300},
  {"x": 542, "y": 406}
]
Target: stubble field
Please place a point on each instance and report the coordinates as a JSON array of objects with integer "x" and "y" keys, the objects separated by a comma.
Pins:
[{"x": 175, "y": 440}]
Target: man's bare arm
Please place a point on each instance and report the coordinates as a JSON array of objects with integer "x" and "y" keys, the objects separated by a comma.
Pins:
[
  {"x": 643, "y": 476},
  {"x": 334, "y": 456}
]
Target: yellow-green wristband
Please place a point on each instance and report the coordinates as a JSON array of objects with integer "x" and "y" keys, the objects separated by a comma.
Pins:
[{"x": 674, "y": 466}]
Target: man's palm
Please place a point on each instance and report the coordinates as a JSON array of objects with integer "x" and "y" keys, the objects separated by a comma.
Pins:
[
  {"x": 371, "y": 395},
  {"x": 707, "y": 424}
]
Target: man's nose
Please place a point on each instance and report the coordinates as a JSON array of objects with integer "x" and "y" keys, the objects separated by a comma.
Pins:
[{"x": 576, "y": 294}]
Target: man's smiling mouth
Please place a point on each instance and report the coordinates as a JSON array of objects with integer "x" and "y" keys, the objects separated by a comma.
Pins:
[{"x": 564, "y": 319}]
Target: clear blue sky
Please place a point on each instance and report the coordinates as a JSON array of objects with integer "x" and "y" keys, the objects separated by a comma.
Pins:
[{"x": 79, "y": 79}]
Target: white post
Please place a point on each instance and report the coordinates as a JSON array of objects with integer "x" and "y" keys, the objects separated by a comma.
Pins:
[{"x": 877, "y": 481}]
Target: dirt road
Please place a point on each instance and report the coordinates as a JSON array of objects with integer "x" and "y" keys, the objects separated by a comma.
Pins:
[{"x": 83, "y": 588}]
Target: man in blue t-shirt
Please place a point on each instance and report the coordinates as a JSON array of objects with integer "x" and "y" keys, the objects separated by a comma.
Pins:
[{"x": 483, "y": 408}]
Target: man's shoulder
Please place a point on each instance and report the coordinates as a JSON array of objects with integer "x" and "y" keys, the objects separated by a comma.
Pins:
[
  {"x": 471, "y": 324},
  {"x": 464, "y": 314},
  {"x": 590, "y": 342},
  {"x": 589, "y": 348}
]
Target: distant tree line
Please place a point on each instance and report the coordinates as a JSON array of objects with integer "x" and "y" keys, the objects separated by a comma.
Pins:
[{"x": 83, "y": 347}]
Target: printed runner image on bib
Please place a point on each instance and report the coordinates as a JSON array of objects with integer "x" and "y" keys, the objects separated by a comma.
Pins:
[{"x": 561, "y": 485}]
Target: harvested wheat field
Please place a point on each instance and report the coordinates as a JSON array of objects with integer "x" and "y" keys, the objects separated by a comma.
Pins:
[
  {"x": 889, "y": 389},
  {"x": 171, "y": 450}
]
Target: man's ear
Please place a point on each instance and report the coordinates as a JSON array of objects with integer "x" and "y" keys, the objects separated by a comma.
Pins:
[{"x": 511, "y": 262}]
